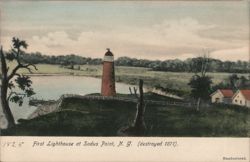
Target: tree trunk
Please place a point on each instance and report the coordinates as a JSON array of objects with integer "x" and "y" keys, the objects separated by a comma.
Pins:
[
  {"x": 5, "y": 105},
  {"x": 198, "y": 104},
  {"x": 138, "y": 127},
  {"x": 4, "y": 91},
  {"x": 139, "y": 119}
]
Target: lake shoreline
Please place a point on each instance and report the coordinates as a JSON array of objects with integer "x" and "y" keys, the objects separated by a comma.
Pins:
[
  {"x": 60, "y": 74},
  {"x": 51, "y": 87},
  {"x": 146, "y": 87}
]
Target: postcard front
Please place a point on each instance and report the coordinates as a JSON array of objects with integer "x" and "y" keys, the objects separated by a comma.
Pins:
[{"x": 112, "y": 78}]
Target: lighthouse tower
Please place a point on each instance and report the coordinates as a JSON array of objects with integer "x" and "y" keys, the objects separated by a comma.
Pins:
[{"x": 108, "y": 75}]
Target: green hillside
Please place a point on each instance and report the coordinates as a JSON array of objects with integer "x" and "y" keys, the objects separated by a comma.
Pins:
[{"x": 82, "y": 117}]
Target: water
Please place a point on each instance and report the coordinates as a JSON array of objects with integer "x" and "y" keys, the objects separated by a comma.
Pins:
[{"x": 52, "y": 87}]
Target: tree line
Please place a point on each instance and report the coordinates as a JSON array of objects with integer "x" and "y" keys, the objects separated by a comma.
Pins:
[
  {"x": 175, "y": 65},
  {"x": 187, "y": 65},
  {"x": 71, "y": 59}
]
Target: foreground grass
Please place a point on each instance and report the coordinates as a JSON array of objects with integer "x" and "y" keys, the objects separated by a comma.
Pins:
[
  {"x": 130, "y": 75},
  {"x": 81, "y": 117}
]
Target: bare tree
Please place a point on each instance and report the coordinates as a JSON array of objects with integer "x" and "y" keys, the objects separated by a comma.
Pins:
[
  {"x": 139, "y": 123},
  {"x": 138, "y": 127},
  {"x": 11, "y": 79},
  {"x": 135, "y": 91}
]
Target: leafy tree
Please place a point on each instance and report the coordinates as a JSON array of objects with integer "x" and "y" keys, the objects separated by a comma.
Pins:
[
  {"x": 243, "y": 82},
  {"x": 200, "y": 83},
  {"x": 233, "y": 81},
  {"x": 12, "y": 79},
  {"x": 201, "y": 87}
]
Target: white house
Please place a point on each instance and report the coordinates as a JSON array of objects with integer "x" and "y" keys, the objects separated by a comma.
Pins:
[
  {"x": 242, "y": 98},
  {"x": 222, "y": 96}
]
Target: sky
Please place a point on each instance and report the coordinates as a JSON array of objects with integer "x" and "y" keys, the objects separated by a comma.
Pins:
[{"x": 141, "y": 29}]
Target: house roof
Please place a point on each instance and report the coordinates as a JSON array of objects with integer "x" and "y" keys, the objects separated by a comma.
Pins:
[
  {"x": 227, "y": 92},
  {"x": 246, "y": 94}
]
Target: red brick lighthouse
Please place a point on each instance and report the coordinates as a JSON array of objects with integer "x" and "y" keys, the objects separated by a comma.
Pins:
[{"x": 108, "y": 75}]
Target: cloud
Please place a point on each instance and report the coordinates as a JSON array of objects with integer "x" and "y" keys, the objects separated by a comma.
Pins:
[
  {"x": 232, "y": 54},
  {"x": 178, "y": 38}
]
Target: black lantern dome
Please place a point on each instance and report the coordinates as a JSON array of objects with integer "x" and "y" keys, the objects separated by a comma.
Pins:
[{"x": 108, "y": 53}]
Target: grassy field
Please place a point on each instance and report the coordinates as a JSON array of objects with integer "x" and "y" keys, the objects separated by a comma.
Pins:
[
  {"x": 131, "y": 75},
  {"x": 82, "y": 117}
]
